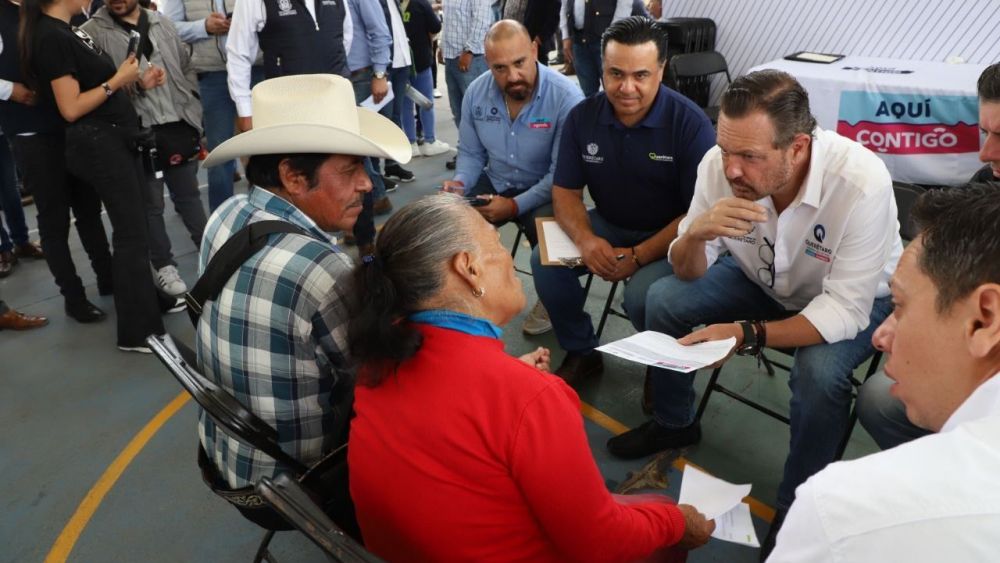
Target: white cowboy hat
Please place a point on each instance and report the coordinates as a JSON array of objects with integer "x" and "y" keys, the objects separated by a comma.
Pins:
[{"x": 313, "y": 113}]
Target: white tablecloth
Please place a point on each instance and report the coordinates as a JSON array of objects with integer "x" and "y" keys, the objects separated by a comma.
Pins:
[{"x": 921, "y": 118}]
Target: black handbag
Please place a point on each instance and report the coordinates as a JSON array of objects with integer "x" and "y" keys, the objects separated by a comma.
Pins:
[{"x": 176, "y": 143}]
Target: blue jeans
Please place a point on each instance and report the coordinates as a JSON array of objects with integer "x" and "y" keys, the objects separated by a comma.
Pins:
[
  {"x": 399, "y": 77},
  {"x": 10, "y": 202},
  {"x": 423, "y": 81},
  {"x": 587, "y": 62},
  {"x": 884, "y": 416},
  {"x": 362, "y": 90},
  {"x": 219, "y": 119},
  {"x": 458, "y": 82},
  {"x": 819, "y": 380},
  {"x": 560, "y": 291}
]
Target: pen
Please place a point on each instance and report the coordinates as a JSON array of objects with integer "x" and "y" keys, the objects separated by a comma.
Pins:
[{"x": 620, "y": 257}]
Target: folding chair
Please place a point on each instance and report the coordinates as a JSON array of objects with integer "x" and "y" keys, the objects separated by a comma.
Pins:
[
  {"x": 692, "y": 73},
  {"x": 770, "y": 364},
  {"x": 240, "y": 423},
  {"x": 287, "y": 497},
  {"x": 906, "y": 195}
]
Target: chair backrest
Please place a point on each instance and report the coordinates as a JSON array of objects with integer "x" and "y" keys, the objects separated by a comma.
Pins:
[
  {"x": 691, "y": 74},
  {"x": 906, "y": 196},
  {"x": 234, "y": 418},
  {"x": 292, "y": 502}
]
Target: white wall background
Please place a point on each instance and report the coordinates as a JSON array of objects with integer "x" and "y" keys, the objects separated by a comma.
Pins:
[{"x": 751, "y": 32}]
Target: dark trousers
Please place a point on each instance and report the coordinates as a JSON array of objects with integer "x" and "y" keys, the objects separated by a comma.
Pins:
[
  {"x": 41, "y": 158},
  {"x": 104, "y": 155},
  {"x": 10, "y": 202},
  {"x": 182, "y": 182},
  {"x": 527, "y": 219}
]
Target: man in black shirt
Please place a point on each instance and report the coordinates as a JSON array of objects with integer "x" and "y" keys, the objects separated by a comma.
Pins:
[{"x": 989, "y": 123}]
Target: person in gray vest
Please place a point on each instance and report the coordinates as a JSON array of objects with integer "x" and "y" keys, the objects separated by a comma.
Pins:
[
  {"x": 204, "y": 24},
  {"x": 582, "y": 23},
  {"x": 173, "y": 111}
]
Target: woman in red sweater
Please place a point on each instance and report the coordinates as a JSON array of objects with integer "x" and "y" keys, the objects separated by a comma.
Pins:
[{"x": 460, "y": 452}]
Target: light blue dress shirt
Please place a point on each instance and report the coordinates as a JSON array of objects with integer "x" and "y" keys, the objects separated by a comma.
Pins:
[
  {"x": 372, "y": 41},
  {"x": 519, "y": 154}
]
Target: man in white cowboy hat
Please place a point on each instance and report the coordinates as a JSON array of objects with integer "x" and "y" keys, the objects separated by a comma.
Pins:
[{"x": 276, "y": 336}]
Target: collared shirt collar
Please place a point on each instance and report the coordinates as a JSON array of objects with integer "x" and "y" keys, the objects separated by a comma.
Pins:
[
  {"x": 283, "y": 209},
  {"x": 461, "y": 322},
  {"x": 654, "y": 119},
  {"x": 984, "y": 402},
  {"x": 812, "y": 195}
]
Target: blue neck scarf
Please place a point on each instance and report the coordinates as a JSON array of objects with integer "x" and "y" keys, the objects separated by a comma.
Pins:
[{"x": 461, "y": 322}]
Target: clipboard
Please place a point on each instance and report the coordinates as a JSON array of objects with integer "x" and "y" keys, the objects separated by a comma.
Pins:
[
  {"x": 555, "y": 246},
  {"x": 813, "y": 57}
]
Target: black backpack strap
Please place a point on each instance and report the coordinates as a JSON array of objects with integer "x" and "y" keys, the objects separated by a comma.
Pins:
[{"x": 227, "y": 260}]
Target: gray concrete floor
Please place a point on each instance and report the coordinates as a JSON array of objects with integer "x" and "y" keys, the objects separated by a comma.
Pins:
[{"x": 70, "y": 402}]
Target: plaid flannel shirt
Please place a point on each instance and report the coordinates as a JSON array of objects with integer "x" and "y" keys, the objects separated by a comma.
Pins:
[
  {"x": 276, "y": 337},
  {"x": 465, "y": 25}
]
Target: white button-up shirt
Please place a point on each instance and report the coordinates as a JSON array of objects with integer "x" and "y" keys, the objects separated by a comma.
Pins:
[
  {"x": 931, "y": 500},
  {"x": 835, "y": 246}
]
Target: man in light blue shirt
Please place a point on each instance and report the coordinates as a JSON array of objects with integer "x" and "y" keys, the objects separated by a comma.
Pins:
[{"x": 512, "y": 118}]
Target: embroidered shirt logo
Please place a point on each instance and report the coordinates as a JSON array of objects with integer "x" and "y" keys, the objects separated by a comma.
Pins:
[
  {"x": 819, "y": 232},
  {"x": 540, "y": 123},
  {"x": 285, "y": 8},
  {"x": 591, "y": 155},
  {"x": 660, "y": 157}
]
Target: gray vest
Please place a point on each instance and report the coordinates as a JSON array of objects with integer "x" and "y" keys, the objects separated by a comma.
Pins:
[{"x": 208, "y": 54}]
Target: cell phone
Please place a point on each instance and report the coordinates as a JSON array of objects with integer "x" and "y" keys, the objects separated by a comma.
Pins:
[
  {"x": 476, "y": 201},
  {"x": 133, "y": 43}
]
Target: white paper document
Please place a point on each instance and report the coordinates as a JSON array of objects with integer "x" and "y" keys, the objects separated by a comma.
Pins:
[
  {"x": 560, "y": 246},
  {"x": 720, "y": 501},
  {"x": 369, "y": 102},
  {"x": 662, "y": 351}
]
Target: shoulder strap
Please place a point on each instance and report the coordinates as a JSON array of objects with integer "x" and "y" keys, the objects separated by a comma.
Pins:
[{"x": 227, "y": 260}]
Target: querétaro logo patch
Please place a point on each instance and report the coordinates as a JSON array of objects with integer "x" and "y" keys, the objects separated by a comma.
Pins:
[{"x": 910, "y": 123}]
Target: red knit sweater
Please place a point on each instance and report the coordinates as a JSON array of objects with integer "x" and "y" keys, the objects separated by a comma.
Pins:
[{"x": 468, "y": 454}]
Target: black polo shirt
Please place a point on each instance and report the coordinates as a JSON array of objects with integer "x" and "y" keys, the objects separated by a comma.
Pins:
[{"x": 640, "y": 177}]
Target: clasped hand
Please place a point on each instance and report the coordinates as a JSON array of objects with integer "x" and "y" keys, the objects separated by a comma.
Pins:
[{"x": 610, "y": 263}]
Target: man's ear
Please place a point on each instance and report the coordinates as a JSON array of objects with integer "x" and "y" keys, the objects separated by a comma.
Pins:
[
  {"x": 293, "y": 181},
  {"x": 984, "y": 333},
  {"x": 800, "y": 146}
]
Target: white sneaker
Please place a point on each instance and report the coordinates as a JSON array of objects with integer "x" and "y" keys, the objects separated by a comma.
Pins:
[
  {"x": 415, "y": 150},
  {"x": 437, "y": 93},
  {"x": 537, "y": 322},
  {"x": 139, "y": 349},
  {"x": 169, "y": 281},
  {"x": 434, "y": 149}
]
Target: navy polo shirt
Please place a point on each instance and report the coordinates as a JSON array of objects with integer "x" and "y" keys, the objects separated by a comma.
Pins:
[{"x": 641, "y": 177}]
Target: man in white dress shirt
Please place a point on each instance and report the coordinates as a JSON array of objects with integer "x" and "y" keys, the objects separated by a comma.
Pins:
[
  {"x": 935, "y": 498},
  {"x": 789, "y": 242}
]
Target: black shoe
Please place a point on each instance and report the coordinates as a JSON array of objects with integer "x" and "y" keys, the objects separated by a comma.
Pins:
[
  {"x": 451, "y": 164},
  {"x": 772, "y": 535},
  {"x": 577, "y": 366},
  {"x": 651, "y": 438},
  {"x": 397, "y": 172},
  {"x": 85, "y": 311},
  {"x": 390, "y": 186}
]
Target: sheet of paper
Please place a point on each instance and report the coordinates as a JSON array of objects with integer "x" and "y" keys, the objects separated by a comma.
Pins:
[
  {"x": 736, "y": 526},
  {"x": 712, "y": 496},
  {"x": 659, "y": 350},
  {"x": 369, "y": 102},
  {"x": 558, "y": 242}
]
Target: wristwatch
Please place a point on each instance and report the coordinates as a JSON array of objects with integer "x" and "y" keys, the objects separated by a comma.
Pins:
[
  {"x": 381, "y": 75},
  {"x": 751, "y": 342},
  {"x": 107, "y": 89}
]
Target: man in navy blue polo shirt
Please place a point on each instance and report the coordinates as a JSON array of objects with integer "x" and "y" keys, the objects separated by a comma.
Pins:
[{"x": 636, "y": 146}]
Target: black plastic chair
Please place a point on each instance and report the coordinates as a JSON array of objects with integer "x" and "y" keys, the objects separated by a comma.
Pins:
[
  {"x": 770, "y": 364},
  {"x": 287, "y": 497},
  {"x": 906, "y": 195},
  {"x": 692, "y": 75},
  {"x": 240, "y": 423}
]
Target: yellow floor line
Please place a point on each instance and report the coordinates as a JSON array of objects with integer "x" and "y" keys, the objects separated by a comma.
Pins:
[
  {"x": 757, "y": 508},
  {"x": 67, "y": 539}
]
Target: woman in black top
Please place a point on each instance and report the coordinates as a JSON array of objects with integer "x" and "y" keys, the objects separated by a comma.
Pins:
[
  {"x": 65, "y": 66},
  {"x": 421, "y": 24}
]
